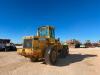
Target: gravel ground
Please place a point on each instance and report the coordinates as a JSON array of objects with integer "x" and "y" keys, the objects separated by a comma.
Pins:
[{"x": 84, "y": 61}]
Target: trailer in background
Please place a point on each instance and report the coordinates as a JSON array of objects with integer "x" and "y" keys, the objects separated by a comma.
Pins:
[{"x": 6, "y": 45}]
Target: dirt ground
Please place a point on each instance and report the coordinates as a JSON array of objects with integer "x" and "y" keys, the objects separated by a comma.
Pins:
[{"x": 84, "y": 61}]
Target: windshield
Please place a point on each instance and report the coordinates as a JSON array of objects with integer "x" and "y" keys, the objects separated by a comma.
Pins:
[
  {"x": 27, "y": 43},
  {"x": 43, "y": 32},
  {"x": 52, "y": 34}
]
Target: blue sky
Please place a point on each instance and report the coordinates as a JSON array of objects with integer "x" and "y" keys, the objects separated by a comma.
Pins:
[{"x": 78, "y": 19}]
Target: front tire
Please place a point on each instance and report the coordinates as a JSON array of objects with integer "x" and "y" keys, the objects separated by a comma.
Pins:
[{"x": 50, "y": 56}]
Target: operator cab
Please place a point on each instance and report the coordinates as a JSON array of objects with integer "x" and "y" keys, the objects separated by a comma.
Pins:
[
  {"x": 46, "y": 31},
  {"x": 42, "y": 33}
]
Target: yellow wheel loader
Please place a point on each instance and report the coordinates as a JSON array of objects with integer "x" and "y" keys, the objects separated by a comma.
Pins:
[{"x": 43, "y": 46}]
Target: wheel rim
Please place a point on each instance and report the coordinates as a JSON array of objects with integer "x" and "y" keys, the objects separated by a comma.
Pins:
[{"x": 53, "y": 56}]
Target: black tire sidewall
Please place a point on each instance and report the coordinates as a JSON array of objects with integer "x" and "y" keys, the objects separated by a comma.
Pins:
[
  {"x": 64, "y": 52},
  {"x": 48, "y": 58}
]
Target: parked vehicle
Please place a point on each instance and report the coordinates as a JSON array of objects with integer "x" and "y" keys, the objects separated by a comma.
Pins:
[
  {"x": 82, "y": 46},
  {"x": 10, "y": 47},
  {"x": 43, "y": 46},
  {"x": 2, "y": 47},
  {"x": 5, "y": 45}
]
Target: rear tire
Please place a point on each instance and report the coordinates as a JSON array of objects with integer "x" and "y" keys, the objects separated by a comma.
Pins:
[
  {"x": 64, "y": 52},
  {"x": 50, "y": 56}
]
